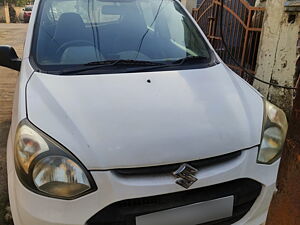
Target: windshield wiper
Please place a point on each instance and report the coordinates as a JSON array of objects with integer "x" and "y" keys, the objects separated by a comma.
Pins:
[
  {"x": 123, "y": 61},
  {"x": 175, "y": 63},
  {"x": 101, "y": 64},
  {"x": 190, "y": 59},
  {"x": 148, "y": 68},
  {"x": 139, "y": 65}
]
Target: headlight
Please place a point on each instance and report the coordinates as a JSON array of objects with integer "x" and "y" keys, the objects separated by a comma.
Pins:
[
  {"x": 60, "y": 176},
  {"x": 47, "y": 168},
  {"x": 274, "y": 134},
  {"x": 28, "y": 145}
]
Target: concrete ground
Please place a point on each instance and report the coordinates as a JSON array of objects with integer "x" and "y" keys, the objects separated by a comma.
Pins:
[{"x": 14, "y": 35}]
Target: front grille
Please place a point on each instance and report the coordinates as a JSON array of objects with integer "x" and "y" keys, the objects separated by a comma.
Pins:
[
  {"x": 198, "y": 164},
  {"x": 245, "y": 192}
]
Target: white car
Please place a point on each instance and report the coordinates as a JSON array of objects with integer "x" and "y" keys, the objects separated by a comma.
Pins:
[{"x": 125, "y": 115}]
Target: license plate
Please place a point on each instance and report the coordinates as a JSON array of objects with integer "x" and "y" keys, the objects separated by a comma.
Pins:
[{"x": 194, "y": 214}]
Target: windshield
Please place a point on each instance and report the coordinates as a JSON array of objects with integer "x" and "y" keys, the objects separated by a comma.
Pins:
[{"x": 78, "y": 32}]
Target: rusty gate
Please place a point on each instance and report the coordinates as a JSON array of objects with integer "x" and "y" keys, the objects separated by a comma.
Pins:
[{"x": 242, "y": 26}]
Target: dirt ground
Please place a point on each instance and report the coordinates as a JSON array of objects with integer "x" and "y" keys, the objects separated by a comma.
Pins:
[
  {"x": 285, "y": 208},
  {"x": 14, "y": 35}
]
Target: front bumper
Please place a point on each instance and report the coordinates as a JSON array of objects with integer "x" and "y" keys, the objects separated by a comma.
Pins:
[{"x": 30, "y": 208}]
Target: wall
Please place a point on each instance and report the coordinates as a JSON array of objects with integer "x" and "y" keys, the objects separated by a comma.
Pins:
[
  {"x": 278, "y": 54},
  {"x": 4, "y": 13}
]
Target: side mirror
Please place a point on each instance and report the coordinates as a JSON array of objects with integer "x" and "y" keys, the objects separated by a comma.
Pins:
[{"x": 9, "y": 58}]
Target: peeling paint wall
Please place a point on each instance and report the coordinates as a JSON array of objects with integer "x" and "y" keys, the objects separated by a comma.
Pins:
[{"x": 278, "y": 54}]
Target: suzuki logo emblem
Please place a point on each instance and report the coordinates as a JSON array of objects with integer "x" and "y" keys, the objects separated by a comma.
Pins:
[{"x": 185, "y": 175}]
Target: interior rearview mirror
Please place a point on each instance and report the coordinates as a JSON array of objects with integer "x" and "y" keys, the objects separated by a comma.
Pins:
[{"x": 9, "y": 58}]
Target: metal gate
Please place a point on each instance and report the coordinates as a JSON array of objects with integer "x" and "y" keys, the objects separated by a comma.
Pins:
[{"x": 242, "y": 26}]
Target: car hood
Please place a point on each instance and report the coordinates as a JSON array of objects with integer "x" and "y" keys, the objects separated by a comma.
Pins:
[{"x": 146, "y": 119}]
